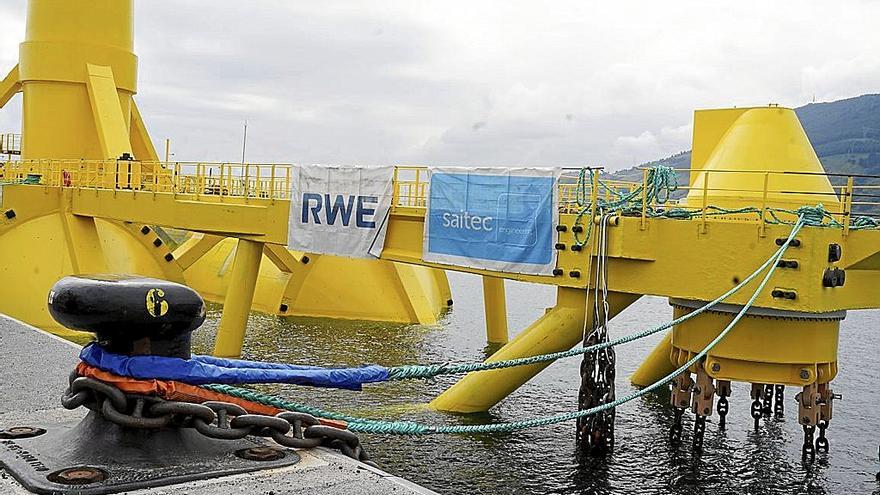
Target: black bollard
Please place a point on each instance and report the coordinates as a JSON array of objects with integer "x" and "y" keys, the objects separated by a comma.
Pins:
[
  {"x": 130, "y": 315},
  {"x": 131, "y": 441}
]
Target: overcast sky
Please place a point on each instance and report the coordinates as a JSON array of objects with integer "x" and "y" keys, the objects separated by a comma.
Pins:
[{"x": 471, "y": 82}]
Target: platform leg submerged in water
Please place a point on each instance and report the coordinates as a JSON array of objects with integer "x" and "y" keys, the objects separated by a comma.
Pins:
[
  {"x": 239, "y": 297},
  {"x": 560, "y": 329}
]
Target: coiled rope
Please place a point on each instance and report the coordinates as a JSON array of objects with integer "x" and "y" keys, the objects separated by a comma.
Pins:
[
  {"x": 365, "y": 425},
  {"x": 661, "y": 182}
]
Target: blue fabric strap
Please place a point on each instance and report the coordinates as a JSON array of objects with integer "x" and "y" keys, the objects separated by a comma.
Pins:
[{"x": 201, "y": 370}]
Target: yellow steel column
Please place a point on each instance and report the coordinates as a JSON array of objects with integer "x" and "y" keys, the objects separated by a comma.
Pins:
[
  {"x": 657, "y": 365},
  {"x": 61, "y": 40},
  {"x": 561, "y": 328},
  {"x": 239, "y": 297},
  {"x": 495, "y": 309}
]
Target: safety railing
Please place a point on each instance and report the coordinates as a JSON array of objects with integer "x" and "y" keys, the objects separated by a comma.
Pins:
[
  {"x": 209, "y": 180},
  {"x": 755, "y": 195},
  {"x": 727, "y": 195},
  {"x": 848, "y": 200},
  {"x": 410, "y": 187},
  {"x": 10, "y": 144}
]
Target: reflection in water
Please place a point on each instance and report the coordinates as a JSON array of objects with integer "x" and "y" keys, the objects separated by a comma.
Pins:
[{"x": 545, "y": 460}]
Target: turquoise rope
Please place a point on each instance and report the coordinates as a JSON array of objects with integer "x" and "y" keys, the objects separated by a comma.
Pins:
[
  {"x": 411, "y": 428},
  {"x": 365, "y": 425},
  {"x": 662, "y": 181},
  {"x": 274, "y": 401}
]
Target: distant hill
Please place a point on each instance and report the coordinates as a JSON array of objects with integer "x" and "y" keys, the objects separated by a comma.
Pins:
[{"x": 844, "y": 133}]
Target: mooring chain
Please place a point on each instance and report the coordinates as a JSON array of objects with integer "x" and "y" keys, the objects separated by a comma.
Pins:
[
  {"x": 767, "y": 406},
  {"x": 778, "y": 406},
  {"x": 598, "y": 368},
  {"x": 597, "y": 387},
  {"x": 213, "y": 419},
  {"x": 808, "y": 451},
  {"x": 757, "y": 407},
  {"x": 723, "y": 407}
]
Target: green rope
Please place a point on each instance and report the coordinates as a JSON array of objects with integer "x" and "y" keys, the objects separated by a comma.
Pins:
[
  {"x": 662, "y": 181},
  {"x": 275, "y": 401},
  {"x": 365, "y": 425}
]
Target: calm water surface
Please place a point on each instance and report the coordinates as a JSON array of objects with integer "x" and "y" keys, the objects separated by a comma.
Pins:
[{"x": 545, "y": 460}]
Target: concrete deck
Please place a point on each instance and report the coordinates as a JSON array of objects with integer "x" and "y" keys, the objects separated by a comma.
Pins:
[{"x": 34, "y": 374}]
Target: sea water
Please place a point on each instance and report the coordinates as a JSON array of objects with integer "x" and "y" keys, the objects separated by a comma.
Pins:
[{"x": 546, "y": 460}]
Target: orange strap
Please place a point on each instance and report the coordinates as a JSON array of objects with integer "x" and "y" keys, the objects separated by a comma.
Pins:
[{"x": 177, "y": 391}]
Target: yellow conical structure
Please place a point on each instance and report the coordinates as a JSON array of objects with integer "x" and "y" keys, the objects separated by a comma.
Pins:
[
  {"x": 738, "y": 154},
  {"x": 736, "y": 150}
]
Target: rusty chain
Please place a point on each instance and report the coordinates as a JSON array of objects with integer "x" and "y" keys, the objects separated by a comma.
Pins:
[
  {"x": 595, "y": 433},
  {"x": 597, "y": 387},
  {"x": 213, "y": 419}
]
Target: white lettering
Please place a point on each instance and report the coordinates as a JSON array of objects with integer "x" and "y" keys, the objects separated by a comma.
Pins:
[{"x": 466, "y": 221}]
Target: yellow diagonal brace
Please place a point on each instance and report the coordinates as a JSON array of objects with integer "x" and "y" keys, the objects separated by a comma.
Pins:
[
  {"x": 284, "y": 259},
  {"x": 109, "y": 120},
  {"x": 9, "y": 86},
  {"x": 83, "y": 244},
  {"x": 141, "y": 144},
  {"x": 414, "y": 290},
  {"x": 194, "y": 248}
]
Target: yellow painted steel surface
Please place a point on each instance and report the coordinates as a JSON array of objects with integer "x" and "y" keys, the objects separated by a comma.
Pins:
[
  {"x": 372, "y": 290},
  {"x": 735, "y": 149},
  {"x": 561, "y": 328},
  {"x": 656, "y": 365},
  {"x": 495, "y": 309},
  {"x": 239, "y": 295},
  {"x": 61, "y": 41},
  {"x": 783, "y": 348},
  {"x": 78, "y": 74}
]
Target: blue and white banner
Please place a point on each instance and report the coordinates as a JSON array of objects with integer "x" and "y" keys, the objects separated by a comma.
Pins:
[
  {"x": 500, "y": 219},
  {"x": 341, "y": 211}
]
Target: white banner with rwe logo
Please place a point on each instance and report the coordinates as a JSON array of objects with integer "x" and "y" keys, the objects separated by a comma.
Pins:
[{"x": 340, "y": 210}]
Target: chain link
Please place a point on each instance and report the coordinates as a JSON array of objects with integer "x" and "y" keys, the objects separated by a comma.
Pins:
[
  {"x": 767, "y": 406},
  {"x": 597, "y": 387},
  {"x": 778, "y": 405},
  {"x": 213, "y": 419},
  {"x": 595, "y": 433},
  {"x": 808, "y": 451},
  {"x": 821, "y": 441},
  {"x": 699, "y": 432},
  {"x": 676, "y": 429}
]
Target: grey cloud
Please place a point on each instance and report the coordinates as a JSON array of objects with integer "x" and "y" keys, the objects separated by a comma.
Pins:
[{"x": 474, "y": 83}]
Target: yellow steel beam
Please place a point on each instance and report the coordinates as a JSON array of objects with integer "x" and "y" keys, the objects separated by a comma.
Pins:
[
  {"x": 495, "y": 310},
  {"x": 258, "y": 219},
  {"x": 113, "y": 132},
  {"x": 141, "y": 144},
  {"x": 415, "y": 288},
  {"x": 194, "y": 248},
  {"x": 672, "y": 258},
  {"x": 656, "y": 365},
  {"x": 239, "y": 297},
  {"x": 9, "y": 86},
  {"x": 286, "y": 260},
  {"x": 663, "y": 257},
  {"x": 560, "y": 329},
  {"x": 83, "y": 244}
]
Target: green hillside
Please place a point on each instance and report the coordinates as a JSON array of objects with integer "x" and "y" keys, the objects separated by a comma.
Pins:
[{"x": 844, "y": 133}]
